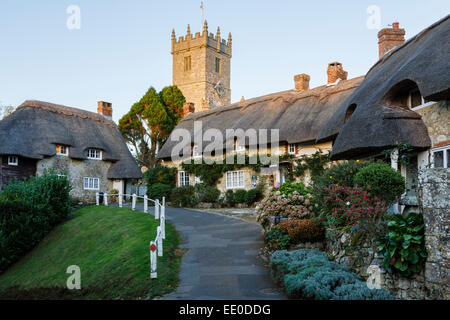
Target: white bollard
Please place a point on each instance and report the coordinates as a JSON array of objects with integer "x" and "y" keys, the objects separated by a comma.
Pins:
[
  {"x": 145, "y": 204},
  {"x": 97, "y": 198},
  {"x": 163, "y": 226},
  {"x": 159, "y": 240},
  {"x": 153, "y": 258},
  {"x": 120, "y": 200},
  {"x": 133, "y": 206},
  {"x": 157, "y": 209},
  {"x": 105, "y": 197}
]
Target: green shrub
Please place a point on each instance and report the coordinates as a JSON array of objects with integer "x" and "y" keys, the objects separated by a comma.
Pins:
[
  {"x": 28, "y": 212},
  {"x": 183, "y": 197},
  {"x": 277, "y": 239},
  {"x": 158, "y": 191},
  {"x": 239, "y": 195},
  {"x": 229, "y": 198},
  {"x": 303, "y": 230},
  {"x": 288, "y": 188},
  {"x": 205, "y": 193},
  {"x": 381, "y": 181},
  {"x": 160, "y": 175},
  {"x": 252, "y": 196},
  {"x": 403, "y": 245},
  {"x": 342, "y": 174}
]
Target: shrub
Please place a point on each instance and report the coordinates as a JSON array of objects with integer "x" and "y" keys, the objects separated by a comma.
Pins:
[
  {"x": 277, "y": 239},
  {"x": 206, "y": 193},
  {"x": 403, "y": 245},
  {"x": 239, "y": 195},
  {"x": 158, "y": 191},
  {"x": 252, "y": 196},
  {"x": 288, "y": 188},
  {"x": 229, "y": 198},
  {"x": 28, "y": 212},
  {"x": 308, "y": 274},
  {"x": 160, "y": 175},
  {"x": 342, "y": 174},
  {"x": 382, "y": 181},
  {"x": 303, "y": 230},
  {"x": 183, "y": 197}
]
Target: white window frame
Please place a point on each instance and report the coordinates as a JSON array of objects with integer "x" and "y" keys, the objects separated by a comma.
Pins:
[
  {"x": 95, "y": 154},
  {"x": 91, "y": 185},
  {"x": 235, "y": 179},
  {"x": 183, "y": 179},
  {"x": 289, "y": 148},
  {"x": 195, "y": 153},
  {"x": 444, "y": 159},
  {"x": 66, "y": 149},
  {"x": 13, "y": 160},
  {"x": 420, "y": 106}
]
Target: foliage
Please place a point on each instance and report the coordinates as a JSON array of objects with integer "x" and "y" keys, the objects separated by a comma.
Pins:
[
  {"x": 308, "y": 274},
  {"x": 229, "y": 198},
  {"x": 403, "y": 245},
  {"x": 150, "y": 121},
  {"x": 405, "y": 153},
  {"x": 277, "y": 239},
  {"x": 98, "y": 239},
  {"x": 205, "y": 193},
  {"x": 303, "y": 230},
  {"x": 288, "y": 188},
  {"x": 160, "y": 174},
  {"x": 346, "y": 207},
  {"x": 183, "y": 197},
  {"x": 252, "y": 196},
  {"x": 382, "y": 181},
  {"x": 5, "y": 111},
  {"x": 158, "y": 191},
  {"x": 29, "y": 210},
  {"x": 341, "y": 173},
  {"x": 315, "y": 164},
  {"x": 239, "y": 195}
]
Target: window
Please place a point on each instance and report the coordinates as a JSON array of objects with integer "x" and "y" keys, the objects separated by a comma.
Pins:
[
  {"x": 291, "y": 148},
  {"x": 13, "y": 161},
  {"x": 187, "y": 63},
  {"x": 95, "y": 154},
  {"x": 218, "y": 65},
  {"x": 235, "y": 179},
  {"x": 195, "y": 152},
  {"x": 238, "y": 147},
  {"x": 62, "y": 150},
  {"x": 441, "y": 157},
  {"x": 183, "y": 178},
  {"x": 415, "y": 100},
  {"x": 91, "y": 183}
]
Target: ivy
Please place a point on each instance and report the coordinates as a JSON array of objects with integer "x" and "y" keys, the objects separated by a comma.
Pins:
[
  {"x": 405, "y": 152},
  {"x": 315, "y": 164}
]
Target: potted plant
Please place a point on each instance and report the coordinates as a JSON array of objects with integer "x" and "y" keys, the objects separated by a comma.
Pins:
[{"x": 115, "y": 194}]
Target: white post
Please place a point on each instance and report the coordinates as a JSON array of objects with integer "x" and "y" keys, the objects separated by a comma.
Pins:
[
  {"x": 145, "y": 204},
  {"x": 156, "y": 209},
  {"x": 153, "y": 258},
  {"x": 133, "y": 206},
  {"x": 97, "y": 198},
  {"x": 159, "y": 240},
  {"x": 394, "y": 165},
  {"x": 163, "y": 226},
  {"x": 105, "y": 197},
  {"x": 163, "y": 208},
  {"x": 120, "y": 200}
]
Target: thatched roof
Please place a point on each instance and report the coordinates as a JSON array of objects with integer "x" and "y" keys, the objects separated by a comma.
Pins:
[
  {"x": 35, "y": 128},
  {"x": 381, "y": 120},
  {"x": 298, "y": 115}
]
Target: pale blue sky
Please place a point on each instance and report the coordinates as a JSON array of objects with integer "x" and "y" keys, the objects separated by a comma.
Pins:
[{"x": 123, "y": 47}]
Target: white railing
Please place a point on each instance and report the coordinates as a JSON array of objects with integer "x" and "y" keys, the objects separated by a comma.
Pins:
[{"x": 156, "y": 246}]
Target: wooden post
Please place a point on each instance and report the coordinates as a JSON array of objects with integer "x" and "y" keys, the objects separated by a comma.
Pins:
[
  {"x": 163, "y": 207},
  {"x": 133, "y": 206},
  {"x": 120, "y": 200},
  {"x": 105, "y": 197},
  {"x": 145, "y": 204},
  {"x": 157, "y": 209},
  {"x": 163, "y": 226},
  {"x": 153, "y": 257},
  {"x": 159, "y": 240},
  {"x": 97, "y": 198}
]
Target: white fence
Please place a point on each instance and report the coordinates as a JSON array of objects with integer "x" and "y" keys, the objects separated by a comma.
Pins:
[{"x": 156, "y": 246}]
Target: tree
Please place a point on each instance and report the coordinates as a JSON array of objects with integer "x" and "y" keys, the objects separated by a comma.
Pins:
[
  {"x": 5, "y": 111},
  {"x": 150, "y": 121}
]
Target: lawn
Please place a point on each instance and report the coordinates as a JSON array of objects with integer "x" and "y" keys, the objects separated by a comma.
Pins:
[{"x": 111, "y": 247}]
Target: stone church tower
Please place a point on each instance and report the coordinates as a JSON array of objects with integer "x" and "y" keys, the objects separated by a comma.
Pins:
[{"x": 201, "y": 68}]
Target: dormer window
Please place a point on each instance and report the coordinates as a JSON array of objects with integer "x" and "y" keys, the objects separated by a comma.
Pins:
[
  {"x": 13, "y": 161},
  {"x": 195, "y": 152},
  {"x": 416, "y": 101},
  {"x": 95, "y": 154},
  {"x": 292, "y": 148},
  {"x": 62, "y": 150}
]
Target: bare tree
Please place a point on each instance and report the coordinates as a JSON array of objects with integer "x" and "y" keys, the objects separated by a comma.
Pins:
[{"x": 6, "y": 111}]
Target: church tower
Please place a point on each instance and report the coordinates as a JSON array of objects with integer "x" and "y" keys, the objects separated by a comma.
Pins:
[{"x": 201, "y": 68}]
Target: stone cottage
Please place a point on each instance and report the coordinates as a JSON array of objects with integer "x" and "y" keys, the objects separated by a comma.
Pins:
[{"x": 84, "y": 146}]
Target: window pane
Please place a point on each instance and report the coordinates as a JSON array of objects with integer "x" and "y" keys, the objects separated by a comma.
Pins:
[
  {"x": 448, "y": 158},
  {"x": 186, "y": 178},
  {"x": 95, "y": 183},
  {"x": 86, "y": 184},
  {"x": 416, "y": 99},
  {"x": 439, "y": 159},
  {"x": 241, "y": 178}
]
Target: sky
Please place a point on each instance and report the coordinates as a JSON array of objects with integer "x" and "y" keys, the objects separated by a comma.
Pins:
[{"x": 122, "y": 48}]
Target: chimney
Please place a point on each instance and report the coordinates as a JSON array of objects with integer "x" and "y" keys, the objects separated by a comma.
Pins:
[
  {"x": 188, "y": 108},
  {"x": 335, "y": 72},
  {"x": 301, "y": 81},
  {"x": 105, "y": 109},
  {"x": 389, "y": 38}
]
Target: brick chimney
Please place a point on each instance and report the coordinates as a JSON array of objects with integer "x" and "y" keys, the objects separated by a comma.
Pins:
[
  {"x": 188, "y": 107},
  {"x": 301, "y": 82},
  {"x": 335, "y": 72},
  {"x": 105, "y": 109},
  {"x": 389, "y": 38}
]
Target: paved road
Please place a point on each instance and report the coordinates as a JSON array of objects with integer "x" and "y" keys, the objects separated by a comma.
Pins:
[{"x": 221, "y": 260}]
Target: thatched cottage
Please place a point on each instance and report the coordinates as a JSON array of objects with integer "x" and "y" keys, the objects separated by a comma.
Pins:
[
  {"x": 297, "y": 114},
  {"x": 86, "y": 147}
]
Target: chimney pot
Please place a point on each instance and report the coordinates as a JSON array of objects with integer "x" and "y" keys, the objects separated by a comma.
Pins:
[
  {"x": 301, "y": 81},
  {"x": 335, "y": 71},
  {"x": 105, "y": 109},
  {"x": 389, "y": 38},
  {"x": 188, "y": 108}
]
